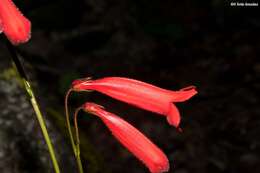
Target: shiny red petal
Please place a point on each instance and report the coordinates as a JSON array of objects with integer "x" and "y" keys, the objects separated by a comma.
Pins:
[
  {"x": 184, "y": 94},
  {"x": 173, "y": 116}
]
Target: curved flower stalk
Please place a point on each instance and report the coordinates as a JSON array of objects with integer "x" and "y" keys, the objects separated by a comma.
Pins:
[
  {"x": 138, "y": 144},
  {"x": 15, "y": 26},
  {"x": 139, "y": 94},
  {"x": 75, "y": 147}
]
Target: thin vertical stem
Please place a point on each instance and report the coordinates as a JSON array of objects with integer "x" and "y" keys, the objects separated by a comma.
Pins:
[
  {"x": 42, "y": 125},
  {"x": 77, "y": 134},
  {"x": 75, "y": 147},
  {"x": 29, "y": 90}
]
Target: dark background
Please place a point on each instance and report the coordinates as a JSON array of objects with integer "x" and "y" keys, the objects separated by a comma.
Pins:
[{"x": 168, "y": 43}]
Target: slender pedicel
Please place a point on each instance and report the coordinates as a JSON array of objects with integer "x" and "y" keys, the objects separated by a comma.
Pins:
[{"x": 76, "y": 149}]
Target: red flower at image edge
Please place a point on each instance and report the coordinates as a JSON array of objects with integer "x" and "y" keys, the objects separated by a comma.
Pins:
[
  {"x": 132, "y": 139},
  {"x": 140, "y": 94},
  {"x": 13, "y": 24}
]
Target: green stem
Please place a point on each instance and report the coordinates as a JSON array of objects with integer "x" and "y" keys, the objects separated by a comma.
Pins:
[
  {"x": 77, "y": 133},
  {"x": 34, "y": 103},
  {"x": 79, "y": 160},
  {"x": 76, "y": 148},
  {"x": 42, "y": 125}
]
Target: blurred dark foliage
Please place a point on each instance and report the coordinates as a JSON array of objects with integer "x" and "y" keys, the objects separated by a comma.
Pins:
[{"x": 171, "y": 44}]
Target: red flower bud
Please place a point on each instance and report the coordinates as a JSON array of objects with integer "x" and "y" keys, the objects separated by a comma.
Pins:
[
  {"x": 140, "y": 94},
  {"x": 132, "y": 139},
  {"x": 15, "y": 26}
]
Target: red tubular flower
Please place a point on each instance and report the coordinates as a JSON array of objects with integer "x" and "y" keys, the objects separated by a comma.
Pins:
[
  {"x": 132, "y": 139},
  {"x": 16, "y": 27},
  {"x": 140, "y": 94}
]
